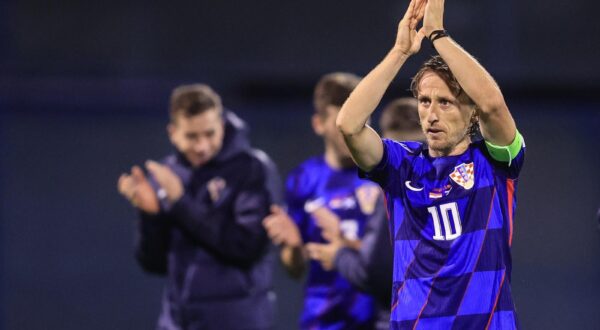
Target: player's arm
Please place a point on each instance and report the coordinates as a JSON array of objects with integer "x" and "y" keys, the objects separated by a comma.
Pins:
[
  {"x": 230, "y": 230},
  {"x": 364, "y": 143},
  {"x": 497, "y": 125},
  {"x": 284, "y": 232},
  {"x": 152, "y": 241},
  {"x": 363, "y": 267},
  {"x": 294, "y": 260}
]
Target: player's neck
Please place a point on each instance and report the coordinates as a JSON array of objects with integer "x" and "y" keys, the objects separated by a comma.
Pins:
[{"x": 455, "y": 150}]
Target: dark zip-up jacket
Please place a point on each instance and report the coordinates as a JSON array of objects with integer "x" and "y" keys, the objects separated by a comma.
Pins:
[{"x": 215, "y": 253}]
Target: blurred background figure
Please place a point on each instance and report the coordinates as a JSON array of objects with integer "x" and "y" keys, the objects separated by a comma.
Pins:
[
  {"x": 200, "y": 216},
  {"x": 327, "y": 202},
  {"x": 369, "y": 267},
  {"x": 400, "y": 120}
]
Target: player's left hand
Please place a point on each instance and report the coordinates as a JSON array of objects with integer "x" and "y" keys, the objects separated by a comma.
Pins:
[
  {"x": 136, "y": 188},
  {"x": 324, "y": 253},
  {"x": 434, "y": 16},
  {"x": 329, "y": 223},
  {"x": 168, "y": 180}
]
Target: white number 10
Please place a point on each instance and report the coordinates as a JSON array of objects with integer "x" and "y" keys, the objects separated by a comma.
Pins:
[{"x": 445, "y": 210}]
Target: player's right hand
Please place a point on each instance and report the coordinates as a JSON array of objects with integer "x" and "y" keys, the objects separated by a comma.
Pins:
[
  {"x": 281, "y": 228},
  {"x": 329, "y": 223},
  {"x": 136, "y": 188},
  {"x": 408, "y": 40}
]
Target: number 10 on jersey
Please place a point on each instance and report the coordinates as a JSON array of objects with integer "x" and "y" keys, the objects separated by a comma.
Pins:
[{"x": 452, "y": 229}]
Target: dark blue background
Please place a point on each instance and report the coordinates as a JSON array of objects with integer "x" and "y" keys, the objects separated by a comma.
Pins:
[{"x": 83, "y": 94}]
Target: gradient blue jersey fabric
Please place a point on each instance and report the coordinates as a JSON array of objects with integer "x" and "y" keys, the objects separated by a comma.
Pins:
[
  {"x": 330, "y": 301},
  {"x": 452, "y": 223}
]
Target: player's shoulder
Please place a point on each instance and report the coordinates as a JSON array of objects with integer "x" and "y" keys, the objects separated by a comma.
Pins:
[
  {"x": 257, "y": 157},
  {"x": 412, "y": 148},
  {"x": 306, "y": 175},
  {"x": 253, "y": 162},
  {"x": 309, "y": 167}
]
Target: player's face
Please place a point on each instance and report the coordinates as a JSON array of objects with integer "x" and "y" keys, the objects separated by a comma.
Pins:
[
  {"x": 444, "y": 119},
  {"x": 325, "y": 127},
  {"x": 199, "y": 138}
]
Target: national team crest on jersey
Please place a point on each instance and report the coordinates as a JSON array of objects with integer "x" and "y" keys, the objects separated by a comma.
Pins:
[
  {"x": 215, "y": 188},
  {"x": 464, "y": 175},
  {"x": 367, "y": 197}
]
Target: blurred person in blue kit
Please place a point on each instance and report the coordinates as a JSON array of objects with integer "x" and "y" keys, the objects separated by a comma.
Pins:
[
  {"x": 370, "y": 267},
  {"x": 200, "y": 212},
  {"x": 321, "y": 191}
]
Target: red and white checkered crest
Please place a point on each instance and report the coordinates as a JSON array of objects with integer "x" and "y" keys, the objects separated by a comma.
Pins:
[{"x": 464, "y": 175}]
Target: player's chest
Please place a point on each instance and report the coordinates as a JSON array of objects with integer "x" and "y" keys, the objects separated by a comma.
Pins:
[
  {"x": 349, "y": 205},
  {"x": 434, "y": 184},
  {"x": 444, "y": 201}
]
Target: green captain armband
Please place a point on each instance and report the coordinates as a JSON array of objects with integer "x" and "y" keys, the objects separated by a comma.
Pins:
[{"x": 506, "y": 153}]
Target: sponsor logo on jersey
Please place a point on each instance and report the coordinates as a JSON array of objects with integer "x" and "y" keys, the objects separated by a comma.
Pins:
[
  {"x": 464, "y": 175},
  {"x": 411, "y": 186},
  {"x": 367, "y": 197},
  {"x": 345, "y": 203},
  {"x": 312, "y": 205}
]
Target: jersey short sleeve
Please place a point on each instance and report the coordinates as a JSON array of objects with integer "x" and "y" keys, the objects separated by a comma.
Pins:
[{"x": 394, "y": 153}]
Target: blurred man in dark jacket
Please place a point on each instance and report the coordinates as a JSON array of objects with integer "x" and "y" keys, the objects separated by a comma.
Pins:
[{"x": 200, "y": 214}]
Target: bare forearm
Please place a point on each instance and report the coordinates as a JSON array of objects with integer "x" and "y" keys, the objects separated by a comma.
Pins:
[
  {"x": 364, "y": 143},
  {"x": 367, "y": 95},
  {"x": 293, "y": 259},
  {"x": 471, "y": 75},
  {"x": 497, "y": 124}
]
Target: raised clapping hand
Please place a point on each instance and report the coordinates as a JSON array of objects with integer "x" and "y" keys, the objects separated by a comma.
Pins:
[
  {"x": 168, "y": 180},
  {"x": 281, "y": 228},
  {"x": 408, "y": 40},
  {"x": 324, "y": 253},
  {"x": 434, "y": 17},
  {"x": 136, "y": 188},
  {"x": 329, "y": 223}
]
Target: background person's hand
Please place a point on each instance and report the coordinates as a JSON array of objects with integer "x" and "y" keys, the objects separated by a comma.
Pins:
[
  {"x": 324, "y": 253},
  {"x": 167, "y": 179},
  {"x": 281, "y": 228},
  {"x": 136, "y": 188},
  {"x": 329, "y": 223}
]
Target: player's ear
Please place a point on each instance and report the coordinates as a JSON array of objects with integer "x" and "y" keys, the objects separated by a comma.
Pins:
[
  {"x": 171, "y": 128},
  {"x": 318, "y": 124}
]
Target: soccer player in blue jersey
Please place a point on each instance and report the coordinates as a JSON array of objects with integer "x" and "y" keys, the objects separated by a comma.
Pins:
[
  {"x": 370, "y": 266},
  {"x": 322, "y": 191},
  {"x": 451, "y": 200}
]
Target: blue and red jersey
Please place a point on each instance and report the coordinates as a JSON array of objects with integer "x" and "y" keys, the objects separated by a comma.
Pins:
[
  {"x": 452, "y": 224},
  {"x": 331, "y": 302}
]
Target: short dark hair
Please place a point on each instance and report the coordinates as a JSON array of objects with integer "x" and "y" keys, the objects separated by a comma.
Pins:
[
  {"x": 438, "y": 66},
  {"x": 401, "y": 114},
  {"x": 333, "y": 89},
  {"x": 194, "y": 99}
]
